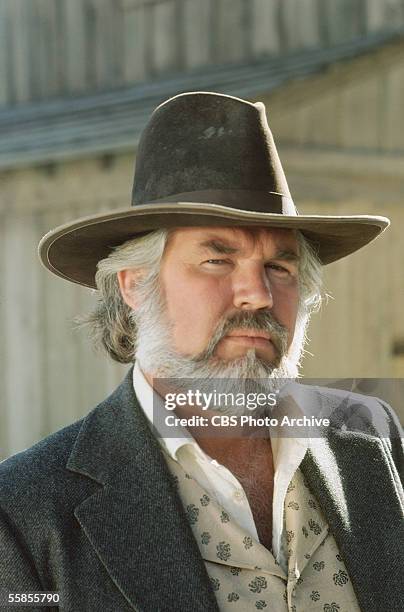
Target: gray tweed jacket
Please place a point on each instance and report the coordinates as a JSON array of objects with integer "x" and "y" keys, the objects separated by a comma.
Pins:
[{"x": 91, "y": 512}]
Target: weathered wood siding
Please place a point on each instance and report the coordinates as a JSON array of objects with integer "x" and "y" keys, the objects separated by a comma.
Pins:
[
  {"x": 49, "y": 374},
  {"x": 354, "y": 107},
  {"x": 63, "y": 47}
]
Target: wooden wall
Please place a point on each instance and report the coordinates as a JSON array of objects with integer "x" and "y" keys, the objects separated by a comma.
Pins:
[
  {"x": 49, "y": 373},
  {"x": 349, "y": 107},
  {"x": 63, "y": 47}
]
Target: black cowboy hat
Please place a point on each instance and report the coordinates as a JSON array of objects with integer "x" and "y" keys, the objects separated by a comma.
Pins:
[{"x": 204, "y": 159}]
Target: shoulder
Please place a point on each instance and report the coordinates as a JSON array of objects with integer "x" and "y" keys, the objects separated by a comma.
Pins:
[
  {"x": 358, "y": 412},
  {"x": 42, "y": 458},
  {"x": 44, "y": 464},
  {"x": 359, "y": 415},
  {"x": 348, "y": 410},
  {"x": 32, "y": 480},
  {"x": 57, "y": 473}
]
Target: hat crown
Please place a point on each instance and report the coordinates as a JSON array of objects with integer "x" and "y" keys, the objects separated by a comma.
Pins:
[{"x": 198, "y": 142}]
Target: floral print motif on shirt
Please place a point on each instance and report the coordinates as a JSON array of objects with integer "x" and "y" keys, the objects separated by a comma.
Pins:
[
  {"x": 258, "y": 584},
  {"x": 192, "y": 513},
  {"x": 223, "y": 551},
  {"x": 244, "y": 575}
]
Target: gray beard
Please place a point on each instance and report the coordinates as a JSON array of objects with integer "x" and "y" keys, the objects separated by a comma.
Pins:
[{"x": 155, "y": 353}]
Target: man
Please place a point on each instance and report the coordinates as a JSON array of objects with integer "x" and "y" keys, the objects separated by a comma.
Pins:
[{"x": 210, "y": 276}]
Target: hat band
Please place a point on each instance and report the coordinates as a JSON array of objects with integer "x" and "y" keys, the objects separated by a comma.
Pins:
[{"x": 241, "y": 199}]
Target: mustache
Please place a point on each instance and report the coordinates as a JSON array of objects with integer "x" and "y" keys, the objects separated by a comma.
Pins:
[{"x": 262, "y": 321}]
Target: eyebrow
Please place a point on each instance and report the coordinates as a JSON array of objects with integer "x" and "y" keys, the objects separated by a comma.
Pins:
[
  {"x": 218, "y": 246},
  {"x": 223, "y": 248},
  {"x": 287, "y": 255}
]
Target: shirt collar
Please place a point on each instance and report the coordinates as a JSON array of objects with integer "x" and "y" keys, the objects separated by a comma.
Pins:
[
  {"x": 286, "y": 451},
  {"x": 147, "y": 399}
]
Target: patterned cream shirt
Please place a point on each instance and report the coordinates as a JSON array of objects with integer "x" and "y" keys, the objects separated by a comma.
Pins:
[
  {"x": 219, "y": 482},
  {"x": 307, "y": 573},
  {"x": 245, "y": 575}
]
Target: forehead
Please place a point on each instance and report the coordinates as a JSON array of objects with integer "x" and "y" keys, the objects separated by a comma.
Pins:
[{"x": 244, "y": 239}]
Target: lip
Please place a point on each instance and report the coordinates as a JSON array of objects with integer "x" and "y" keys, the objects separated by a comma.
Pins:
[
  {"x": 253, "y": 340},
  {"x": 250, "y": 333}
]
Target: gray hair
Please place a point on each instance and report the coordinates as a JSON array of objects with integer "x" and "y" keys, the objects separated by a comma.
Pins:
[{"x": 112, "y": 325}]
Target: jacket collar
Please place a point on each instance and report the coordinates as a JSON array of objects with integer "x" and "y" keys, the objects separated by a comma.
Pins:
[{"x": 135, "y": 520}]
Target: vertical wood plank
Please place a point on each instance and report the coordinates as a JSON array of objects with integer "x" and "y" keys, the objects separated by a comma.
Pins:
[
  {"x": 107, "y": 43},
  {"x": 375, "y": 14},
  {"x": 301, "y": 24},
  {"x": 134, "y": 44},
  {"x": 355, "y": 300},
  {"x": 213, "y": 31},
  {"x": 4, "y": 54},
  {"x": 320, "y": 122},
  {"x": 23, "y": 338},
  {"x": 230, "y": 30},
  {"x": 164, "y": 32},
  {"x": 4, "y": 408},
  {"x": 49, "y": 57},
  {"x": 266, "y": 33},
  {"x": 385, "y": 14},
  {"x": 117, "y": 45},
  {"x": 100, "y": 47},
  {"x": 149, "y": 18},
  {"x": 179, "y": 34},
  {"x": 376, "y": 312},
  {"x": 346, "y": 19},
  {"x": 323, "y": 25},
  {"x": 360, "y": 129},
  {"x": 284, "y": 42},
  {"x": 36, "y": 34},
  {"x": 60, "y": 46},
  {"x": 19, "y": 52},
  {"x": 196, "y": 33},
  {"x": 74, "y": 22},
  {"x": 247, "y": 28},
  {"x": 393, "y": 94},
  {"x": 396, "y": 289},
  {"x": 90, "y": 37}
]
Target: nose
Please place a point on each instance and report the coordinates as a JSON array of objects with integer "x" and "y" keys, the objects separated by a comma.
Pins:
[{"x": 251, "y": 289}]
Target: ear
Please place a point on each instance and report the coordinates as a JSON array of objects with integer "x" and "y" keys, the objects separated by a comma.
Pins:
[{"x": 127, "y": 280}]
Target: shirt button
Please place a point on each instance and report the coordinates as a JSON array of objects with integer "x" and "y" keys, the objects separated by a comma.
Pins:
[{"x": 238, "y": 495}]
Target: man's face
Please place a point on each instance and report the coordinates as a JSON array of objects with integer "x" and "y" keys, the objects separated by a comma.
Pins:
[{"x": 211, "y": 274}]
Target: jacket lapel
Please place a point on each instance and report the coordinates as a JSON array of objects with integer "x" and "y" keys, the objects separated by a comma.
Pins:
[
  {"x": 350, "y": 474},
  {"x": 135, "y": 521}
]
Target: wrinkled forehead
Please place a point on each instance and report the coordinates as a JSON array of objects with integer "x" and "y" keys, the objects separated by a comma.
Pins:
[{"x": 242, "y": 240}]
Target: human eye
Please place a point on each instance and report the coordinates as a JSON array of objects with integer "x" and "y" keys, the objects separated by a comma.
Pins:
[
  {"x": 216, "y": 266},
  {"x": 217, "y": 262},
  {"x": 278, "y": 269}
]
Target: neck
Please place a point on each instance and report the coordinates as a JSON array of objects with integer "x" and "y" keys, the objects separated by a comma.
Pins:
[{"x": 237, "y": 452}]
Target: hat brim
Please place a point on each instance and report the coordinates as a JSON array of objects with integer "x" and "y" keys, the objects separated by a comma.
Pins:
[{"x": 73, "y": 250}]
